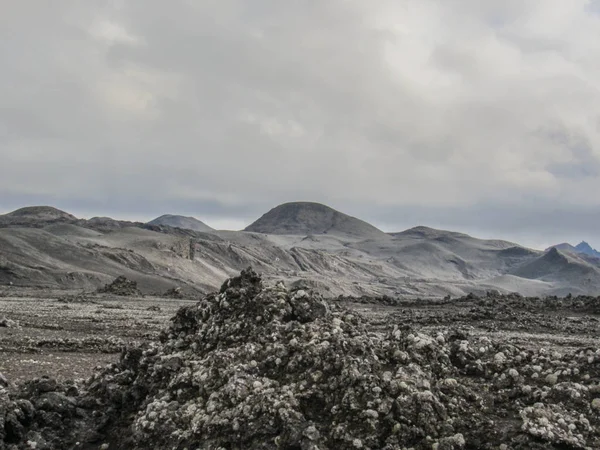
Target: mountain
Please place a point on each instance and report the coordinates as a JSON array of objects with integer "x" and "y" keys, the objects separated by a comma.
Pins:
[
  {"x": 564, "y": 247},
  {"x": 36, "y": 216},
  {"x": 307, "y": 218},
  {"x": 302, "y": 244},
  {"x": 73, "y": 257},
  {"x": 584, "y": 247},
  {"x": 108, "y": 224},
  {"x": 568, "y": 271},
  {"x": 187, "y": 223},
  {"x": 446, "y": 256}
]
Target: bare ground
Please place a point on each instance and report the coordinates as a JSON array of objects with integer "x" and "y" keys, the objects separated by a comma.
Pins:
[
  {"x": 507, "y": 369},
  {"x": 66, "y": 335}
]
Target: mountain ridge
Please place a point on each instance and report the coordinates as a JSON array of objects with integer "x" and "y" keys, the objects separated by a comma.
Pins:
[
  {"x": 297, "y": 243},
  {"x": 582, "y": 248},
  {"x": 178, "y": 221}
]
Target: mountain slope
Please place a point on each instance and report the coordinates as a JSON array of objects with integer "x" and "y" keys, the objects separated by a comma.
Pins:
[
  {"x": 568, "y": 271},
  {"x": 449, "y": 256},
  {"x": 306, "y": 218},
  {"x": 187, "y": 223},
  {"x": 583, "y": 251},
  {"x": 564, "y": 247}
]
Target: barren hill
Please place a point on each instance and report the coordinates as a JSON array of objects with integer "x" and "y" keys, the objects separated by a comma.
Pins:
[
  {"x": 582, "y": 249},
  {"x": 304, "y": 244},
  {"x": 306, "y": 218},
  {"x": 187, "y": 223},
  {"x": 570, "y": 271},
  {"x": 36, "y": 216}
]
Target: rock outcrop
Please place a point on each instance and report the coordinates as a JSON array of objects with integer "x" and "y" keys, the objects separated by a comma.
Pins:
[{"x": 121, "y": 286}]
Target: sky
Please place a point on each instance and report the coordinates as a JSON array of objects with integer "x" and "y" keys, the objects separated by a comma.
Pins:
[{"x": 481, "y": 117}]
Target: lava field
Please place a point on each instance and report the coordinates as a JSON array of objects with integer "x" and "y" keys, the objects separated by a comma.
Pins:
[{"x": 258, "y": 366}]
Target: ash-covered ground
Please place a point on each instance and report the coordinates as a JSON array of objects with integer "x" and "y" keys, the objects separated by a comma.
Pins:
[{"x": 257, "y": 366}]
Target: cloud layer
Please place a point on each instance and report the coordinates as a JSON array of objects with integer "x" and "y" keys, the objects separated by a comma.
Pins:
[{"x": 482, "y": 116}]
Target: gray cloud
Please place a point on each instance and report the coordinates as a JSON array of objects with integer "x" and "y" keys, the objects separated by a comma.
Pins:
[{"x": 480, "y": 116}]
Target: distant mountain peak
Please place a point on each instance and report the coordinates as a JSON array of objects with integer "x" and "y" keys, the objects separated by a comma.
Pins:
[
  {"x": 176, "y": 221},
  {"x": 36, "y": 216},
  {"x": 584, "y": 247},
  {"x": 310, "y": 218},
  {"x": 43, "y": 212}
]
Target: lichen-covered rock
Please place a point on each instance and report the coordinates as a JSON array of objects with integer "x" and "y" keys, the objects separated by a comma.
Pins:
[
  {"x": 3, "y": 381},
  {"x": 7, "y": 323}
]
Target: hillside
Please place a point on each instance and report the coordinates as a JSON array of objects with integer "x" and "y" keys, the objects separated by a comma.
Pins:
[
  {"x": 440, "y": 253},
  {"x": 175, "y": 221},
  {"x": 301, "y": 244},
  {"x": 306, "y": 218},
  {"x": 569, "y": 271},
  {"x": 583, "y": 248}
]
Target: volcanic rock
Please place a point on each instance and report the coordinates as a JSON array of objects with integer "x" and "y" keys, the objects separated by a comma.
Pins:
[
  {"x": 121, "y": 286},
  {"x": 260, "y": 367},
  {"x": 7, "y": 323}
]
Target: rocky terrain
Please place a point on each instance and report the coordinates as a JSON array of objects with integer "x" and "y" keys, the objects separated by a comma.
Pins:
[
  {"x": 255, "y": 365},
  {"x": 298, "y": 243}
]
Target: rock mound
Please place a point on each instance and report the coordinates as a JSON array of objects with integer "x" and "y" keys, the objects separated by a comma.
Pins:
[
  {"x": 306, "y": 218},
  {"x": 255, "y": 367},
  {"x": 121, "y": 286}
]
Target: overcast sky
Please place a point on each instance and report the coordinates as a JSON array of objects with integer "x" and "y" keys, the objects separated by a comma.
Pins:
[{"x": 477, "y": 116}]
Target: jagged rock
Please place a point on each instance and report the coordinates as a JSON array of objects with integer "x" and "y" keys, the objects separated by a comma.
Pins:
[
  {"x": 7, "y": 323},
  {"x": 121, "y": 286},
  {"x": 3, "y": 380}
]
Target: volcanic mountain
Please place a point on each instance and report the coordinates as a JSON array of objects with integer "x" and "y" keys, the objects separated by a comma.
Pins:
[
  {"x": 304, "y": 244},
  {"x": 36, "y": 216},
  {"x": 307, "y": 218},
  {"x": 187, "y": 223},
  {"x": 569, "y": 270},
  {"x": 584, "y": 247},
  {"x": 583, "y": 250}
]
